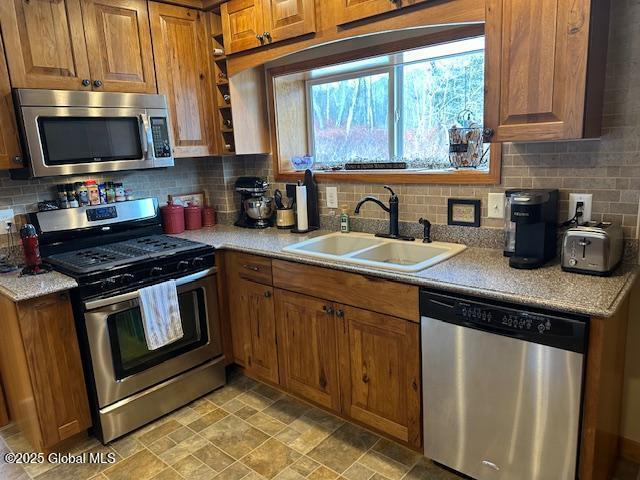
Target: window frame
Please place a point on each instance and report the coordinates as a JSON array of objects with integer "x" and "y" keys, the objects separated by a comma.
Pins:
[{"x": 460, "y": 177}]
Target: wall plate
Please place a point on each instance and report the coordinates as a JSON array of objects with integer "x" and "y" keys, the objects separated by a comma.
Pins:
[
  {"x": 6, "y": 216},
  {"x": 495, "y": 205},
  {"x": 332, "y": 197},
  {"x": 586, "y": 199}
]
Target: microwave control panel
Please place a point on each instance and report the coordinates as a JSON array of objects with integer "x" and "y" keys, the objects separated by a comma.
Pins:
[{"x": 160, "y": 133}]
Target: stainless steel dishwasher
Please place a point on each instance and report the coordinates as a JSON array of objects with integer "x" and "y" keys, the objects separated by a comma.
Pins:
[{"x": 502, "y": 388}]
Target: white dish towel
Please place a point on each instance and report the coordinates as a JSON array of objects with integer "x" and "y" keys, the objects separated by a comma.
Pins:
[{"x": 160, "y": 314}]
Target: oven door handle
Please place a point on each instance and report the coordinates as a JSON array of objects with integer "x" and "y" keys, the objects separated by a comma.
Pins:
[{"x": 105, "y": 302}]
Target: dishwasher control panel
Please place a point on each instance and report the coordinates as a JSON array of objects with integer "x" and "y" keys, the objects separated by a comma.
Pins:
[{"x": 504, "y": 319}]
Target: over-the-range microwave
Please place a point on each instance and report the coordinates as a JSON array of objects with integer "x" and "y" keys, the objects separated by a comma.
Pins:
[{"x": 68, "y": 132}]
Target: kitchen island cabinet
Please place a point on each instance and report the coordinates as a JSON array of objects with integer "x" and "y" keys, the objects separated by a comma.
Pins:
[{"x": 42, "y": 371}]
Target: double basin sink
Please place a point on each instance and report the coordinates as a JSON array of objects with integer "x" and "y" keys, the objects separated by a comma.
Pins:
[{"x": 371, "y": 251}]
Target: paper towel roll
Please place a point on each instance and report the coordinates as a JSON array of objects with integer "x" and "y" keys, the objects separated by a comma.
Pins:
[{"x": 301, "y": 208}]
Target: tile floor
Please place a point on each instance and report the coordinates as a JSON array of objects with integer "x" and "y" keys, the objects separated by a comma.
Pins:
[{"x": 248, "y": 431}]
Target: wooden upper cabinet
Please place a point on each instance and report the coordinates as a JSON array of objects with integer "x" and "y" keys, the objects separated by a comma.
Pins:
[
  {"x": 249, "y": 24},
  {"x": 44, "y": 43},
  {"x": 119, "y": 45},
  {"x": 307, "y": 349},
  {"x": 183, "y": 74},
  {"x": 9, "y": 144},
  {"x": 380, "y": 372},
  {"x": 288, "y": 19},
  {"x": 536, "y": 68},
  {"x": 242, "y": 24},
  {"x": 351, "y": 10}
]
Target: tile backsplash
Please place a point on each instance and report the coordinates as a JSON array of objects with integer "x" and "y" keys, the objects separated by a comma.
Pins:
[{"x": 608, "y": 167}]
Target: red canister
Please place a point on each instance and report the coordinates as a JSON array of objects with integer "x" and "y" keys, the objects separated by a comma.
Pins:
[
  {"x": 208, "y": 216},
  {"x": 193, "y": 217},
  {"x": 30, "y": 247},
  {"x": 172, "y": 218}
]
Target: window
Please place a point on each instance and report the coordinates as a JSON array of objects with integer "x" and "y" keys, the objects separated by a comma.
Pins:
[
  {"x": 396, "y": 107},
  {"x": 343, "y": 106}
]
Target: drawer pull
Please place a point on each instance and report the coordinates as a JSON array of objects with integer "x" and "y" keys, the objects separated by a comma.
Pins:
[{"x": 253, "y": 268}]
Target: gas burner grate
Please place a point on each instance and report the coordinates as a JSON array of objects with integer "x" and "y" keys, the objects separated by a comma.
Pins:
[{"x": 115, "y": 254}]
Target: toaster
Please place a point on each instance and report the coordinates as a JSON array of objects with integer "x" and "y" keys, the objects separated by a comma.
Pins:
[{"x": 592, "y": 248}]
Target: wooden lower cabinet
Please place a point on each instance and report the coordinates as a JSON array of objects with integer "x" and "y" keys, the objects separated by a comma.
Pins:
[
  {"x": 380, "y": 372},
  {"x": 42, "y": 369},
  {"x": 307, "y": 349},
  {"x": 252, "y": 319}
]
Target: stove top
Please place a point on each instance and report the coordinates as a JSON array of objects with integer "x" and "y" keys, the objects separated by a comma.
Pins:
[{"x": 105, "y": 257}]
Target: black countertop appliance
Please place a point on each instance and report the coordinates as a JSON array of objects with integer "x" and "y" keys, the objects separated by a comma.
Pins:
[{"x": 535, "y": 214}]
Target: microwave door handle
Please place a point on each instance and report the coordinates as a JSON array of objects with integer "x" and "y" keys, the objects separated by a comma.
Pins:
[
  {"x": 105, "y": 302},
  {"x": 146, "y": 139}
]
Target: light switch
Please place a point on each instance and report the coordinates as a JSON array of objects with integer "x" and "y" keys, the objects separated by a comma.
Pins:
[
  {"x": 332, "y": 197},
  {"x": 496, "y": 205}
]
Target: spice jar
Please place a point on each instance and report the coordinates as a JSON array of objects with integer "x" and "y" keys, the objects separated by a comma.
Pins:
[
  {"x": 193, "y": 217},
  {"x": 120, "y": 196},
  {"x": 93, "y": 192},
  {"x": 172, "y": 218}
]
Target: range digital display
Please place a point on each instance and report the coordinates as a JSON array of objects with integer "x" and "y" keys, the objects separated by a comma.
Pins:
[{"x": 101, "y": 213}]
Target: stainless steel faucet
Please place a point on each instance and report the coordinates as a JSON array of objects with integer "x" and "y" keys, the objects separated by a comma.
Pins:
[{"x": 392, "y": 210}]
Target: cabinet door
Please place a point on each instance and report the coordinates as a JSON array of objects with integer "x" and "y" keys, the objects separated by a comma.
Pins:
[
  {"x": 183, "y": 74},
  {"x": 253, "y": 328},
  {"x": 9, "y": 144},
  {"x": 307, "y": 349},
  {"x": 45, "y": 44},
  {"x": 242, "y": 24},
  {"x": 351, "y": 10},
  {"x": 536, "y": 64},
  {"x": 380, "y": 372},
  {"x": 53, "y": 356},
  {"x": 288, "y": 19},
  {"x": 119, "y": 45}
]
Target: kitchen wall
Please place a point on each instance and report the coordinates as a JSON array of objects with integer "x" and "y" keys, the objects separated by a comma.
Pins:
[{"x": 213, "y": 175}]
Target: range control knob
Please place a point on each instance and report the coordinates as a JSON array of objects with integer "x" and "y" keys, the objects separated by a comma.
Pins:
[
  {"x": 126, "y": 279},
  {"x": 183, "y": 266},
  {"x": 155, "y": 271},
  {"x": 197, "y": 262},
  {"x": 573, "y": 262},
  {"x": 108, "y": 284}
]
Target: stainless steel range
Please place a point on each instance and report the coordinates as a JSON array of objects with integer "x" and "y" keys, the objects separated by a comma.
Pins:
[{"x": 113, "y": 251}]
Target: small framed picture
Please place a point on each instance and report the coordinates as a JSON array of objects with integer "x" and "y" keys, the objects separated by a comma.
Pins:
[
  {"x": 184, "y": 199},
  {"x": 463, "y": 212}
]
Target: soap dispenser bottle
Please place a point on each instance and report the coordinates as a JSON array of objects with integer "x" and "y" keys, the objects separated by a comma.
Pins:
[{"x": 344, "y": 219}]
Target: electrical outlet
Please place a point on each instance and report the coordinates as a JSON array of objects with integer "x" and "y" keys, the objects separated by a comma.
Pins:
[
  {"x": 6, "y": 218},
  {"x": 496, "y": 205},
  {"x": 586, "y": 199},
  {"x": 332, "y": 197}
]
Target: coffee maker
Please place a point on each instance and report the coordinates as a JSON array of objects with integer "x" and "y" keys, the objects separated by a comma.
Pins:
[
  {"x": 535, "y": 215},
  {"x": 256, "y": 210}
]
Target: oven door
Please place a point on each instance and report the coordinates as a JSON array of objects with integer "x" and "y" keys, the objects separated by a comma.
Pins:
[
  {"x": 76, "y": 140},
  {"x": 121, "y": 362}
]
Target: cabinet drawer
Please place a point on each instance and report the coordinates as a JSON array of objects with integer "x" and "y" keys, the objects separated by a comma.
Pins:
[
  {"x": 250, "y": 267},
  {"x": 371, "y": 293}
]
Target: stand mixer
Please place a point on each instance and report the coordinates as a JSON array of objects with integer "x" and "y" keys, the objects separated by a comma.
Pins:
[{"x": 256, "y": 210}]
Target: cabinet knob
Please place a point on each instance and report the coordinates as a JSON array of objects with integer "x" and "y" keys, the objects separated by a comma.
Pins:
[
  {"x": 267, "y": 294},
  {"x": 97, "y": 83},
  {"x": 365, "y": 378},
  {"x": 260, "y": 39},
  {"x": 487, "y": 133},
  {"x": 17, "y": 160},
  {"x": 267, "y": 36},
  {"x": 340, "y": 313},
  {"x": 86, "y": 82},
  {"x": 327, "y": 309},
  {"x": 253, "y": 268}
]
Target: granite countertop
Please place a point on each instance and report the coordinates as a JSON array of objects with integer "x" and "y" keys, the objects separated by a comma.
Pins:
[
  {"x": 19, "y": 288},
  {"x": 476, "y": 271}
]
